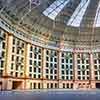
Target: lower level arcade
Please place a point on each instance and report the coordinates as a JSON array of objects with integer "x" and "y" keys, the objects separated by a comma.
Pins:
[{"x": 21, "y": 84}]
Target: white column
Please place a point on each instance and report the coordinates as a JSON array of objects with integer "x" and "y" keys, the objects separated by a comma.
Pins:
[
  {"x": 92, "y": 76},
  {"x": 8, "y": 82},
  {"x": 26, "y": 69},
  {"x": 44, "y": 85},
  {"x": 75, "y": 70},
  {"x": 9, "y": 55},
  {"x": 59, "y": 70}
]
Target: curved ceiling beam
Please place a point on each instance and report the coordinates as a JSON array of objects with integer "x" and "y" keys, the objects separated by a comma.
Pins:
[{"x": 77, "y": 16}]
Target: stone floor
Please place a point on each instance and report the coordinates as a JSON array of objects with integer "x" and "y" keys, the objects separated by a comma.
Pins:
[{"x": 51, "y": 95}]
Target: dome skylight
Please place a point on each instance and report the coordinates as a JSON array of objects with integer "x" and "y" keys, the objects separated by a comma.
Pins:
[
  {"x": 97, "y": 17},
  {"x": 54, "y": 9},
  {"x": 77, "y": 16}
]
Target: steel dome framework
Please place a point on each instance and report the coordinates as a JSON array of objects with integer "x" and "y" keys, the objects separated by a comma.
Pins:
[{"x": 77, "y": 20}]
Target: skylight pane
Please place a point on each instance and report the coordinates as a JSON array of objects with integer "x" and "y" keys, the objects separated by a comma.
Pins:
[
  {"x": 55, "y": 8},
  {"x": 77, "y": 16},
  {"x": 97, "y": 18},
  {"x": 57, "y": 2}
]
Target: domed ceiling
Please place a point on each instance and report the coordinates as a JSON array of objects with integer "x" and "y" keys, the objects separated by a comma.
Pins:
[{"x": 75, "y": 20}]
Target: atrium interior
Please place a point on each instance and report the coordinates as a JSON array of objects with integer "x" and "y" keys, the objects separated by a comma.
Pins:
[{"x": 49, "y": 44}]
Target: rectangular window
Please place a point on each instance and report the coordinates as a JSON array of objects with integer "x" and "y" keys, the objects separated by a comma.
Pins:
[
  {"x": 47, "y": 64},
  {"x": 39, "y": 76},
  {"x": 47, "y": 52},
  {"x": 39, "y": 50},
  {"x": 30, "y": 62},
  {"x": 71, "y": 77},
  {"x": 16, "y": 74},
  {"x": 79, "y": 72},
  {"x": 17, "y": 67},
  {"x": 55, "y": 65},
  {"x": 71, "y": 67},
  {"x": 55, "y": 59},
  {"x": 62, "y": 54},
  {"x": 62, "y": 66},
  {"x": 55, "y": 71},
  {"x": 21, "y": 74},
  {"x": 63, "y": 77},
  {"x": 62, "y": 72},
  {"x": 78, "y": 61},
  {"x": 3, "y": 45},
  {"x": 62, "y": 60},
  {"x": 87, "y": 61},
  {"x": 13, "y": 49},
  {"x": 18, "y": 42},
  {"x": 40, "y": 57},
  {"x": 22, "y": 45},
  {"x": 51, "y": 77},
  {"x": 47, "y": 77},
  {"x": 55, "y": 77},
  {"x": 51, "y": 71},
  {"x": 39, "y": 70},
  {"x": 79, "y": 77},
  {"x": 34, "y": 75},
  {"x": 31, "y": 48},
  {"x": 30, "y": 69},
  {"x": 2, "y": 64},
  {"x": 47, "y": 71},
  {"x": 14, "y": 41},
  {"x": 12, "y": 57},
  {"x": 1, "y": 72},
  {"x": 39, "y": 63},
  {"x": 51, "y": 59},
  {"x": 70, "y": 61},
  {"x": 34, "y": 69},
  {"x": 96, "y": 73},
  {"x": 82, "y": 61},
  {"x": 95, "y": 61},
  {"x": 66, "y": 60},
  {"x": 11, "y": 73},
  {"x": 12, "y": 66},
  {"x": 35, "y": 56},
  {"x": 47, "y": 58},
  {"x": 87, "y": 72},
  {"x": 30, "y": 55},
  {"x": 30, "y": 75},
  {"x": 18, "y": 51},
  {"x": 67, "y": 77},
  {"x": 87, "y": 67}
]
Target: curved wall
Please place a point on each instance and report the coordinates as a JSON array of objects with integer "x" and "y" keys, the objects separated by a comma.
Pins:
[{"x": 27, "y": 62}]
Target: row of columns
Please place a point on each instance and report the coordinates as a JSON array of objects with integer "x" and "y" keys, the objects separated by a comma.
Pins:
[{"x": 26, "y": 67}]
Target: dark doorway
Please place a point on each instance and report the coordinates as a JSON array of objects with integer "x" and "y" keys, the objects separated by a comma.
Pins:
[
  {"x": 16, "y": 84},
  {"x": 1, "y": 86},
  {"x": 98, "y": 85}
]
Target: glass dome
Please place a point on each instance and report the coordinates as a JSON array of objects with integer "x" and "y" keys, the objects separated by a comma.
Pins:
[{"x": 77, "y": 20}]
